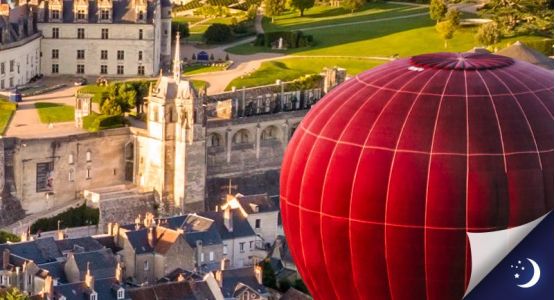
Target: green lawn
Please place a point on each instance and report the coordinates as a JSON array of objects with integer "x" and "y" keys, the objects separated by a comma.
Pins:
[
  {"x": 293, "y": 68},
  {"x": 196, "y": 31},
  {"x": 405, "y": 37},
  {"x": 93, "y": 89},
  {"x": 7, "y": 109},
  {"x": 196, "y": 69},
  {"x": 54, "y": 112}
]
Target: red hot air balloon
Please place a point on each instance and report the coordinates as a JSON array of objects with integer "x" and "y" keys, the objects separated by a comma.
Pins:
[{"x": 385, "y": 175}]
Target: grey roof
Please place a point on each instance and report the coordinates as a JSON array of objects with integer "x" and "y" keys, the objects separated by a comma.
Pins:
[
  {"x": 84, "y": 244},
  {"x": 521, "y": 51},
  {"x": 260, "y": 201},
  {"x": 241, "y": 226},
  {"x": 181, "y": 290},
  {"x": 19, "y": 16},
  {"x": 195, "y": 228},
  {"x": 102, "y": 263},
  {"x": 294, "y": 294},
  {"x": 56, "y": 270},
  {"x": 107, "y": 241},
  {"x": 123, "y": 11},
  {"x": 173, "y": 275},
  {"x": 40, "y": 251},
  {"x": 234, "y": 277},
  {"x": 139, "y": 241},
  {"x": 105, "y": 288}
]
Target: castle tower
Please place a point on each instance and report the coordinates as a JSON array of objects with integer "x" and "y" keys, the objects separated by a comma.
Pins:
[{"x": 172, "y": 156}]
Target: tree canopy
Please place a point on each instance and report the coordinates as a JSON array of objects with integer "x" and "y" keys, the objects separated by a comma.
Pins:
[
  {"x": 353, "y": 5},
  {"x": 438, "y": 8},
  {"x": 273, "y": 7},
  {"x": 488, "y": 34},
  {"x": 517, "y": 17},
  {"x": 446, "y": 30},
  {"x": 302, "y": 5},
  {"x": 217, "y": 33}
]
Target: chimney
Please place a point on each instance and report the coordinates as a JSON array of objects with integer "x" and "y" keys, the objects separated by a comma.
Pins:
[
  {"x": 228, "y": 219},
  {"x": 152, "y": 237},
  {"x": 224, "y": 264},
  {"x": 89, "y": 279},
  {"x": 48, "y": 288},
  {"x": 219, "y": 278},
  {"x": 5, "y": 258},
  {"x": 110, "y": 228},
  {"x": 258, "y": 273},
  {"x": 119, "y": 273},
  {"x": 60, "y": 234},
  {"x": 138, "y": 222}
]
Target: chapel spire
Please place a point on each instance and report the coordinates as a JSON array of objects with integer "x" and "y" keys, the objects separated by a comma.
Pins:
[{"x": 177, "y": 59}]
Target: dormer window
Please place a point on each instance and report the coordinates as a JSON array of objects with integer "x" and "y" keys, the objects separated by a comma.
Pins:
[
  {"x": 121, "y": 293},
  {"x": 141, "y": 15},
  {"x": 94, "y": 296},
  {"x": 80, "y": 15},
  {"x": 104, "y": 14},
  {"x": 55, "y": 14}
]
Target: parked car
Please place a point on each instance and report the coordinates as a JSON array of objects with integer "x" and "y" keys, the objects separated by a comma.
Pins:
[{"x": 80, "y": 81}]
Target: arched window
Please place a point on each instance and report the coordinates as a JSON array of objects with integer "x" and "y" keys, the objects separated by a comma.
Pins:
[
  {"x": 241, "y": 137},
  {"x": 270, "y": 132},
  {"x": 214, "y": 140}
]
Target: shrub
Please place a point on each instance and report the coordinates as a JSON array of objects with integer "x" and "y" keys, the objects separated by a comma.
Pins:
[
  {"x": 291, "y": 39},
  {"x": 182, "y": 27},
  {"x": 73, "y": 217},
  {"x": 217, "y": 33},
  {"x": 8, "y": 237}
]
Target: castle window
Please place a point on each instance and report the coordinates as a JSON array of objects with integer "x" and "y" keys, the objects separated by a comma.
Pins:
[
  {"x": 225, "y": 249},
  {"x": 140, "y": 34},
  {"x": 103, "y": 54},
  {"x": 141, "y": 70},
  {"x": 80, "y": 14},
  {"x": 120, "y": 70},
  {"x": 104, "y": 33},
  {"x": 71, "y": 175},
  {"x": 214, "y": 140},
  {"x": 211, "y": 255},
  {"x": 80, "y": 33},
  {"x": 140, "y": 55},
  {"x": 145, "y": 265},
  {"x": 2, "y": 68},
  {"x": 55, "y": 14},
  {"x": 104, "y": 14},
  {"x": 202, "y": 257},
  {"x": 80, "y": 54},
  {"x": 88, "y": 173},
  {"x": 241, "y": 137},
  {"x": 120, "y": 54},
  {"x": 257, "y": 224},
  {"x": 55, "y": 68},
  {"x": 55, "y": 53},
  {"x": 242, "y": 247},
  {"x": 251, "y": 245},
  {"x": 80, "y": 69},
  {"x": 12, "y": 65},
  {"x": 103, "y": 69},
  {"x": 70, "y": 159},
  {"x": 55, "y": 33},
  {"x": 94, "y": 296},
  {"x": 88, "y": 157},
  {"x": 141, "y": 15}
]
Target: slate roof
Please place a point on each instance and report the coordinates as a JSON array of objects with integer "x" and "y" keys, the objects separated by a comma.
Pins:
[
  {"x": 56, "y": 270},
  {"x": 241, "y": 226},
  {"x": 234, "y": 277},
  {"x": 294, "y": 294},
  {"x": 139, "y": 241},
  {"x": 173, "y": 275},
  {"x": 521, "y": 51},
  {"x": 83, "y": 244},
  {"x": 107, "y": 241},
  {"x": 102, "y": 263},
  {"x": 18, "y": 16},
  {"x": 250, "y": 202},
  {"x": 40, "y": 251},
  {"x": 123, "y": 12},
  {"x": 105, "y": 288},
  {"x": 182, "y": 290}
]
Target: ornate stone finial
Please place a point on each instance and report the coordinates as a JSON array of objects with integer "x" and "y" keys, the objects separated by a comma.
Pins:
[{"x": 177, "y": 59}]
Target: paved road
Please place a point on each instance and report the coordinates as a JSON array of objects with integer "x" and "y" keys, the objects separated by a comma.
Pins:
[{"x": 26, "y": 122}]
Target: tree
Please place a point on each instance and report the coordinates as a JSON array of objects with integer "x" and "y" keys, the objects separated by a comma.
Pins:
[
  {"x": 273, "y": 8},
  {"x": 251, "y": 12},
  {"x": 520, "y": 17},
  {"x": 217, "y": 33},
  {"x": 446, "y": 30},
  {"x": 12, "y": 294},
  {"x": 353, "y": 5},
  {"x": 182, "y": 27},
  {"x": 488, "y": 34},
  {"x": 453, "y": 16},
  {"x": 8, "y": 236},
  {"x": 302, "y": 5},
  {"x": 438, "y": 8},
  {"x": 121, "y": 98}
]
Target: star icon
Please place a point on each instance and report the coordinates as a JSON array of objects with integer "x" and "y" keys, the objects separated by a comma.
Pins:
[
  {"x": 523, "y": 268},
  {"x": 517, "y": 275},
  {"x": 512, "y": 266},
  {"x": 519, "y": 262}
]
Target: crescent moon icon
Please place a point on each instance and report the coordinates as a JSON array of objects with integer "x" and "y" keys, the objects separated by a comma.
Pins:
[{"x": 535, "y": 277}]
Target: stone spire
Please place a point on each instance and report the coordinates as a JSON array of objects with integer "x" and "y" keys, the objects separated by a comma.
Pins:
[{"x": 177, "y": 60}]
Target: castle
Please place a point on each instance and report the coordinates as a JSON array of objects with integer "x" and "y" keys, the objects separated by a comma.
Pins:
[{"x": 184, "y": 159}]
